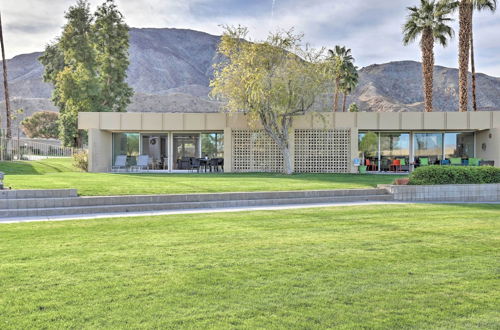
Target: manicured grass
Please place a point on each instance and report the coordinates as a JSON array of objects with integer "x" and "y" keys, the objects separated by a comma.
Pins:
[
  {"x": 394, "y": 266},
  {"x": 58, "y": 173}
]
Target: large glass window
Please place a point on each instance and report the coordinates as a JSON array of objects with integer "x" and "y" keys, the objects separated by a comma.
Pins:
[
  {"x": 394, "y": 146},
  {"x": 186, "y": 145},
  {"x": 368, "y": 149},
  {"x": 126, "y": 144},
  {"x": 428, "y": 145},
  {"x": 459, "y": 145},
  {"x": 156, "y": 147},
  {"x": 212, "y": 145}
]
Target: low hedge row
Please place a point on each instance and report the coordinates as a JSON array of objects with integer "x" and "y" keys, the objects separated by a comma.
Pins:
[{"x": 428, "y": 175}]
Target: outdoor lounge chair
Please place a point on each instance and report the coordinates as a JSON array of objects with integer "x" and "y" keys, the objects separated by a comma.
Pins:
[
  {"x": 142, "y": 163},
  {"x": 474, "y": 161},
  {"x": 424, "y": 161},
  {"x": 120, "y": 163}
]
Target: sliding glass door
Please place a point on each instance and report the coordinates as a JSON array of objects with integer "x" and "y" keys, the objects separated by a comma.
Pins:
[{"x": 185, "y": 146}]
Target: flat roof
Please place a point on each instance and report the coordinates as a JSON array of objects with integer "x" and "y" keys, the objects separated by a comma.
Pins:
[{"x": 397, "y": 121}]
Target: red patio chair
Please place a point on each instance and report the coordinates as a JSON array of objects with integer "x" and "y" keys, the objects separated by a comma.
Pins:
[
  {"x": 371, "y": 166},
  {"x": 396, "y": 165}
]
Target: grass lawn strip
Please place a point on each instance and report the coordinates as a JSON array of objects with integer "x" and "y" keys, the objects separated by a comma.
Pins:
[
  {"x": 394, "y": 266},
  {"x": 59, "y": 174}
]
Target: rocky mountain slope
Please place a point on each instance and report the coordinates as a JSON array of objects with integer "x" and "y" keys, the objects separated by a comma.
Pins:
[{"x": 171, "y": 68}]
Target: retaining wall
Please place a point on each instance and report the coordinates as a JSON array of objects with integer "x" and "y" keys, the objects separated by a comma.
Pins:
[{"x": 446, "y": 193}]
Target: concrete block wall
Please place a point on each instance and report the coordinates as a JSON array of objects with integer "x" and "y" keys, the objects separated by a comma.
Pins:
[{"x": 446, "y": 193}]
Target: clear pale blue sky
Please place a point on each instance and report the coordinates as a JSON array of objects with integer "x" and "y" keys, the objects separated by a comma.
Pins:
[{"x": 372, "y": 28}]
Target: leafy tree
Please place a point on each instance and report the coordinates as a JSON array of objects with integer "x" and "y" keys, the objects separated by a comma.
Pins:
[
  {"x": 42, "y": 124},
  {"x": 87, "y": 65},
  {"x": 353, "y": 107},
  {"x": 111, "y": 41},
  {"x": 340, "y": 67},
  {"x": 271, "y": 81},
  {"x": 430, "y": 23}
]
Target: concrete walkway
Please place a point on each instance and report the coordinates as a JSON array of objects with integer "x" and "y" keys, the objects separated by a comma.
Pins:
[{"x": 214, "y": 210}]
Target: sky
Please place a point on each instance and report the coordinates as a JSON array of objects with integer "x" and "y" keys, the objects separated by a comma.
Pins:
[{"x": 371, "y": 28}]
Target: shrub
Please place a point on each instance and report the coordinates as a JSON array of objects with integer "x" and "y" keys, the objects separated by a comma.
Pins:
[
  {"x": 429, "y": 175},
  {"x": 81, "y": 160},
  {"x": 42, "y": 124}
]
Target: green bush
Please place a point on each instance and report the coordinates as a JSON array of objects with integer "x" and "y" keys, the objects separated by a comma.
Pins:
[
  {"x": 428, "y": 175},
  {"x": 81, "y": 160}
]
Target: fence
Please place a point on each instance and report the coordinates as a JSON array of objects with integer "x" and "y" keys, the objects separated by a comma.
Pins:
[{"x": 14, "y": 149}]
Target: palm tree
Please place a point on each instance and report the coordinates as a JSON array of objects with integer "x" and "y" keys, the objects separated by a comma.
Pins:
[
  {"x": 478, "y": 5},
  {"x": 430, "y": 22},
  {"x": 465, "y": 8},
  {"x": 349, "y": 83},
  {"x": 340, "y": 58}
]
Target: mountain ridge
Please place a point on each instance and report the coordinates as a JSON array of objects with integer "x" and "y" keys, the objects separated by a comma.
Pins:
[{"x": 170, "y": 70}]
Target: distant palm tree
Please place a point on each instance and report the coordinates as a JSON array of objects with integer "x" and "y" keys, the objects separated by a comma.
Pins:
[
  {"x": 349, "y": 83},
  {"x": 430, "y": 22},
  {"x": 340, "y": 58},
  {"x": 479, "y": 5}
]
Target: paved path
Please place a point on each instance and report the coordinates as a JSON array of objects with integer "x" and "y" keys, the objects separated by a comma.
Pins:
[{"x": 214, "y": 210}]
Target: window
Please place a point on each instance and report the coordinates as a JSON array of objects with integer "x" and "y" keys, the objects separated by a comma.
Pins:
[
  {"x": 126, "y": 144},
  {"x": 394, "y": 146},
  {"x": 212, "y": 145},
  {"x": 459, "y": 145},
  {"x": 428, "y": 145}
]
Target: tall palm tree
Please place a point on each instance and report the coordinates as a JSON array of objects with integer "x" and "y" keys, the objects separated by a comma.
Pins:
[
  {"x": 349, "y": 83},
  {"x": 465, "y": 8},
  {"x": 478, "y": 5},
  {"x": 430, "y": 22},
  {"x": 340, "y": 58}
]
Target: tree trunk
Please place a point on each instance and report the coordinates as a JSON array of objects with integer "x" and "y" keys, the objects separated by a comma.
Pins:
[
  {"x": 5, "y": 86},
  {"x": 465, "y": 17},
  {"x": 343, "y": 102},
  {"x": 336, "y": 99},
  {"x": 473, "y": 69},
  {"x": 287, "y": 160},
  {"x": 427, "y": 45}
]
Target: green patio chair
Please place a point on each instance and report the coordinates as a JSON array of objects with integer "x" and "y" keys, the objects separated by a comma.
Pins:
[
  {"x": 456, "y": 161},
  {"x": 402, "y": 162},
  {"x": 474, "y": 161},
  {"x": 423, "y": 161}
]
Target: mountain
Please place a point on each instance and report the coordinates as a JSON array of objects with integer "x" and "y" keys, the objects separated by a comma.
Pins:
[{"x": 170, "y": 70}]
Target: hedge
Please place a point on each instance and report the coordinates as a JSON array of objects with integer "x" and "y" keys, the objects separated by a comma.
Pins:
[{"x": 435, "y": 174}]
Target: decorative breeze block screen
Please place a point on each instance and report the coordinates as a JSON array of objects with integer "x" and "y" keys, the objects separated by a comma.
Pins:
[
  {"x": 255, "y": 151},
  {"x": 322, "y": 151}
]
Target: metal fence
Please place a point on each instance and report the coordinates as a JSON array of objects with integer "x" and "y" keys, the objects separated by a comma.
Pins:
[{"x": 18, "y": 149}]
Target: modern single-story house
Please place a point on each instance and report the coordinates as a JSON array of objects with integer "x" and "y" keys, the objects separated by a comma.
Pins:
[{"x": 320, "y": 142}]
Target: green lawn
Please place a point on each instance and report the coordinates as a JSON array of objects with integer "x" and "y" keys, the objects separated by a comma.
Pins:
[
  {"x": 58, "y": 173},
  {"x": 394, "y": 266}
]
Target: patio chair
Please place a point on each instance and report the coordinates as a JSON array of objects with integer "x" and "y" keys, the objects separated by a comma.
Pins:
[
  {"x": 120, "y": 163},
  {"x": 221, "y": 163},
  {"x": 184, "y": 163},
  {"x": 474, "y": 161},
  {"x": 370, "y": 166},
  {"x": 424, "y": 161},
  {"x": 456, "y": 161},
  {"x": 142, "y": 163},
  {"x": 195, "y": 164},
  {"x": 395, "y": 165},
  {"x": 445, "y": 162}
]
